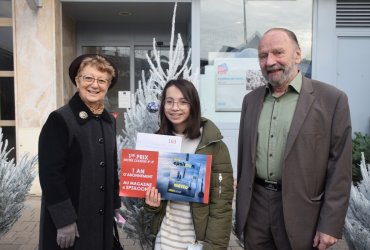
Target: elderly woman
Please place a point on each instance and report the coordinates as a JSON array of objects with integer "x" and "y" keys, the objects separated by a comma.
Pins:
[{"x": 78, "y": 163}]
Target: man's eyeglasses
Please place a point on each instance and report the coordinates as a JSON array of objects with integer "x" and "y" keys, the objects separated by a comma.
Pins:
[
  {"x": 90, "y": 79},
  {"x": 169, "y": 103}
]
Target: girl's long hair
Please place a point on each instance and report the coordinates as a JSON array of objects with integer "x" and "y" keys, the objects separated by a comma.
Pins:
[{"x": 194, "y": 120}]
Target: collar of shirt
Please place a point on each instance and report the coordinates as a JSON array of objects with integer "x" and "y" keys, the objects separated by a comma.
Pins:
[
  {"x": 294, "y": 85},
  {"x": 83, "y": 114}
]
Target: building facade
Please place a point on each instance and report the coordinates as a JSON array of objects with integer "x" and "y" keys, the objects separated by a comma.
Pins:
[{"x": 39, "y": 38}]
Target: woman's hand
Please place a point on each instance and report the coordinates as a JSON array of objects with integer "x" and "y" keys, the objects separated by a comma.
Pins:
[
  {"x": 66, "y": 235},
  {"x": 120, "y": 220},
  {"x": 152, "y": 197}
]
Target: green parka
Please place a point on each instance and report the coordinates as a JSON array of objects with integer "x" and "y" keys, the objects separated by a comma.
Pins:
[{"x": 212, "y": 221}]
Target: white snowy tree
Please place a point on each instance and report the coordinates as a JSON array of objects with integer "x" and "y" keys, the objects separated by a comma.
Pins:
[
  {"x": 139, "y": 118},
  {"x": 357, "y": 223},
  {"x": 15, "y": 182},
  {"x": 143, "y": 117}
]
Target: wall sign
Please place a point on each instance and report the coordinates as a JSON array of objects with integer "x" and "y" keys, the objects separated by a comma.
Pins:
[{"x": 235, "y": 77}]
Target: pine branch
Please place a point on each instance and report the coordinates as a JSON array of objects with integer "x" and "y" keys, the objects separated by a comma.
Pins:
[
  {"x": 357, "y": 223},
  {"x": 136, "y": 226},
  {"x": 15, "y": 182}
]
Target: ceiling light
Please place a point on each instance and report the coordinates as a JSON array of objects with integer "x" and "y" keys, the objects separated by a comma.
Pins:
[{"x": 124, "y": 13}]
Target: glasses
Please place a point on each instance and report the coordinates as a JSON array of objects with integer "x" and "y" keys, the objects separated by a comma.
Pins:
[
  {"x": 169, "y": 103},
  {"x": 90, "y": 80}
]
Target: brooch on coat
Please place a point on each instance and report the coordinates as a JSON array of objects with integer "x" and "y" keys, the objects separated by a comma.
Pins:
[{"x": 83, "y": 115}]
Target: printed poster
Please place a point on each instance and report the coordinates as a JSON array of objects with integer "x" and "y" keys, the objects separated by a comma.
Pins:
[
  {"x": 138, "y": 172},
  {"x": 124, "y": 99},
  {"x": 235, "y": 77},
  {"x": 177, "y": 176}
]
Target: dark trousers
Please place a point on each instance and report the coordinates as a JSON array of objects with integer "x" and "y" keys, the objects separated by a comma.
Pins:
[{"x": 265, "y": 228}]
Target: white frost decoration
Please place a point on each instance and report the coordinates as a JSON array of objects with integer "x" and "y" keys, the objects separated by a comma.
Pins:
[
  {"x": 15, "y": 182},
  {"x": 357, "y": 223}
]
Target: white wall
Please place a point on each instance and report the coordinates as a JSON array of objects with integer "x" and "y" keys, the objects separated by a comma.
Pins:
[
  {"x": 323, "y": 44},
  {"x": 340, "y": 57},
  {"x": 227, "y": 122},
  {"x": 353, "y": 77},
  {"x": 230, "y": 131}
]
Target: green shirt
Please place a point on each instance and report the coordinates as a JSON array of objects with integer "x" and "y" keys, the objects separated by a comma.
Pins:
[{"x": 273, "y": 128}]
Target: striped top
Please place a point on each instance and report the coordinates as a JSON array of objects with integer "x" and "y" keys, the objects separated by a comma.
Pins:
[{"x": 177, "y": 228}]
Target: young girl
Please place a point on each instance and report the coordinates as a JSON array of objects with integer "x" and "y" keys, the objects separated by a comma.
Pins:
[{"x": 184, "y": 225}]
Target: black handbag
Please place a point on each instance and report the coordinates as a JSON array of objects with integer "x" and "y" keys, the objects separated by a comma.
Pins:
[{"x": 116, "y": 243}]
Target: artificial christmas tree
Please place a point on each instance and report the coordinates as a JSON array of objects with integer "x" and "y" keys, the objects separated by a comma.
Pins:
[
  {"x": 15, "y": 182},
  {"x": 357, "y": 224}
]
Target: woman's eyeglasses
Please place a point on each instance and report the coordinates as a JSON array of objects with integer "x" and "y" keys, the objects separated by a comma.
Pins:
[
  {"x": 169, "y": 103},
  {"x": 90, "y": 79}
]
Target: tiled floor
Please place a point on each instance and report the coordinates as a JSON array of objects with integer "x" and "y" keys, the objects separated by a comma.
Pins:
[{"x": 24, "y": 234}]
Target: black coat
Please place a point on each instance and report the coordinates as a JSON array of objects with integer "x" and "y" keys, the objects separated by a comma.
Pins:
[{"x": 78, "y": 176}]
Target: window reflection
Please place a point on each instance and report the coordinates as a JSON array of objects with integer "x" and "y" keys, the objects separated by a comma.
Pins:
[
  {"x": 9, "y": 135},
  {"x": 6, "y": 49},
  {"x": 141, "y": 62},
  {"x": 224, "y": 26},
  {"x": 7, "y": 111},
  {"x": 6, "y": 8}
]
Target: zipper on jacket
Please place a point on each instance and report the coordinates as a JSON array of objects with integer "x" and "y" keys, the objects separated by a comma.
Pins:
[
  {"x": 219, "y": 185},
  {"x": 208, "y": 144}
]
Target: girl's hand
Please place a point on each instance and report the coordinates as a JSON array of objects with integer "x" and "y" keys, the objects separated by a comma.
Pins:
[{"x": 152, "y": 197}]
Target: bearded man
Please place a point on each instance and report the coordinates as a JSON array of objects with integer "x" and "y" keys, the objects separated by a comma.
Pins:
[{"x": 294, "y": 155}]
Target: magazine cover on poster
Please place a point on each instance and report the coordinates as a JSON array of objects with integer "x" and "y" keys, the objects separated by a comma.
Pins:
[
  {"x": 184, "y": 177},
  {"x": 177, "y": 176}
]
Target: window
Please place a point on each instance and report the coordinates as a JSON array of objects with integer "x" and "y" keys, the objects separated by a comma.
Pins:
[
  {"x": 235, "y": 27},
  {"x": 7, "y": 103},
  {"x": 230, "y": 32}
]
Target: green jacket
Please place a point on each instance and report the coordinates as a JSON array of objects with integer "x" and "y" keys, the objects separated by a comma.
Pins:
[{"x": 212, "y": 221}]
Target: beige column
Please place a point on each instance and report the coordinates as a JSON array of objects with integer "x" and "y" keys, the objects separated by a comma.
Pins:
[{"x": 37, "y": 55}]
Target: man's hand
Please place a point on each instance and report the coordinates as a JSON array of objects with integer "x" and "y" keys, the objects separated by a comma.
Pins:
[
  {"x": 66, "y": 235},
  {"x": 323, "y": 241}
]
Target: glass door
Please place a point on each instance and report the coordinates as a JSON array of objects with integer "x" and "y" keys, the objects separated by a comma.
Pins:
[
  {"x": 120, "y": 56},
  {"x": 141, "y": 62}
]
